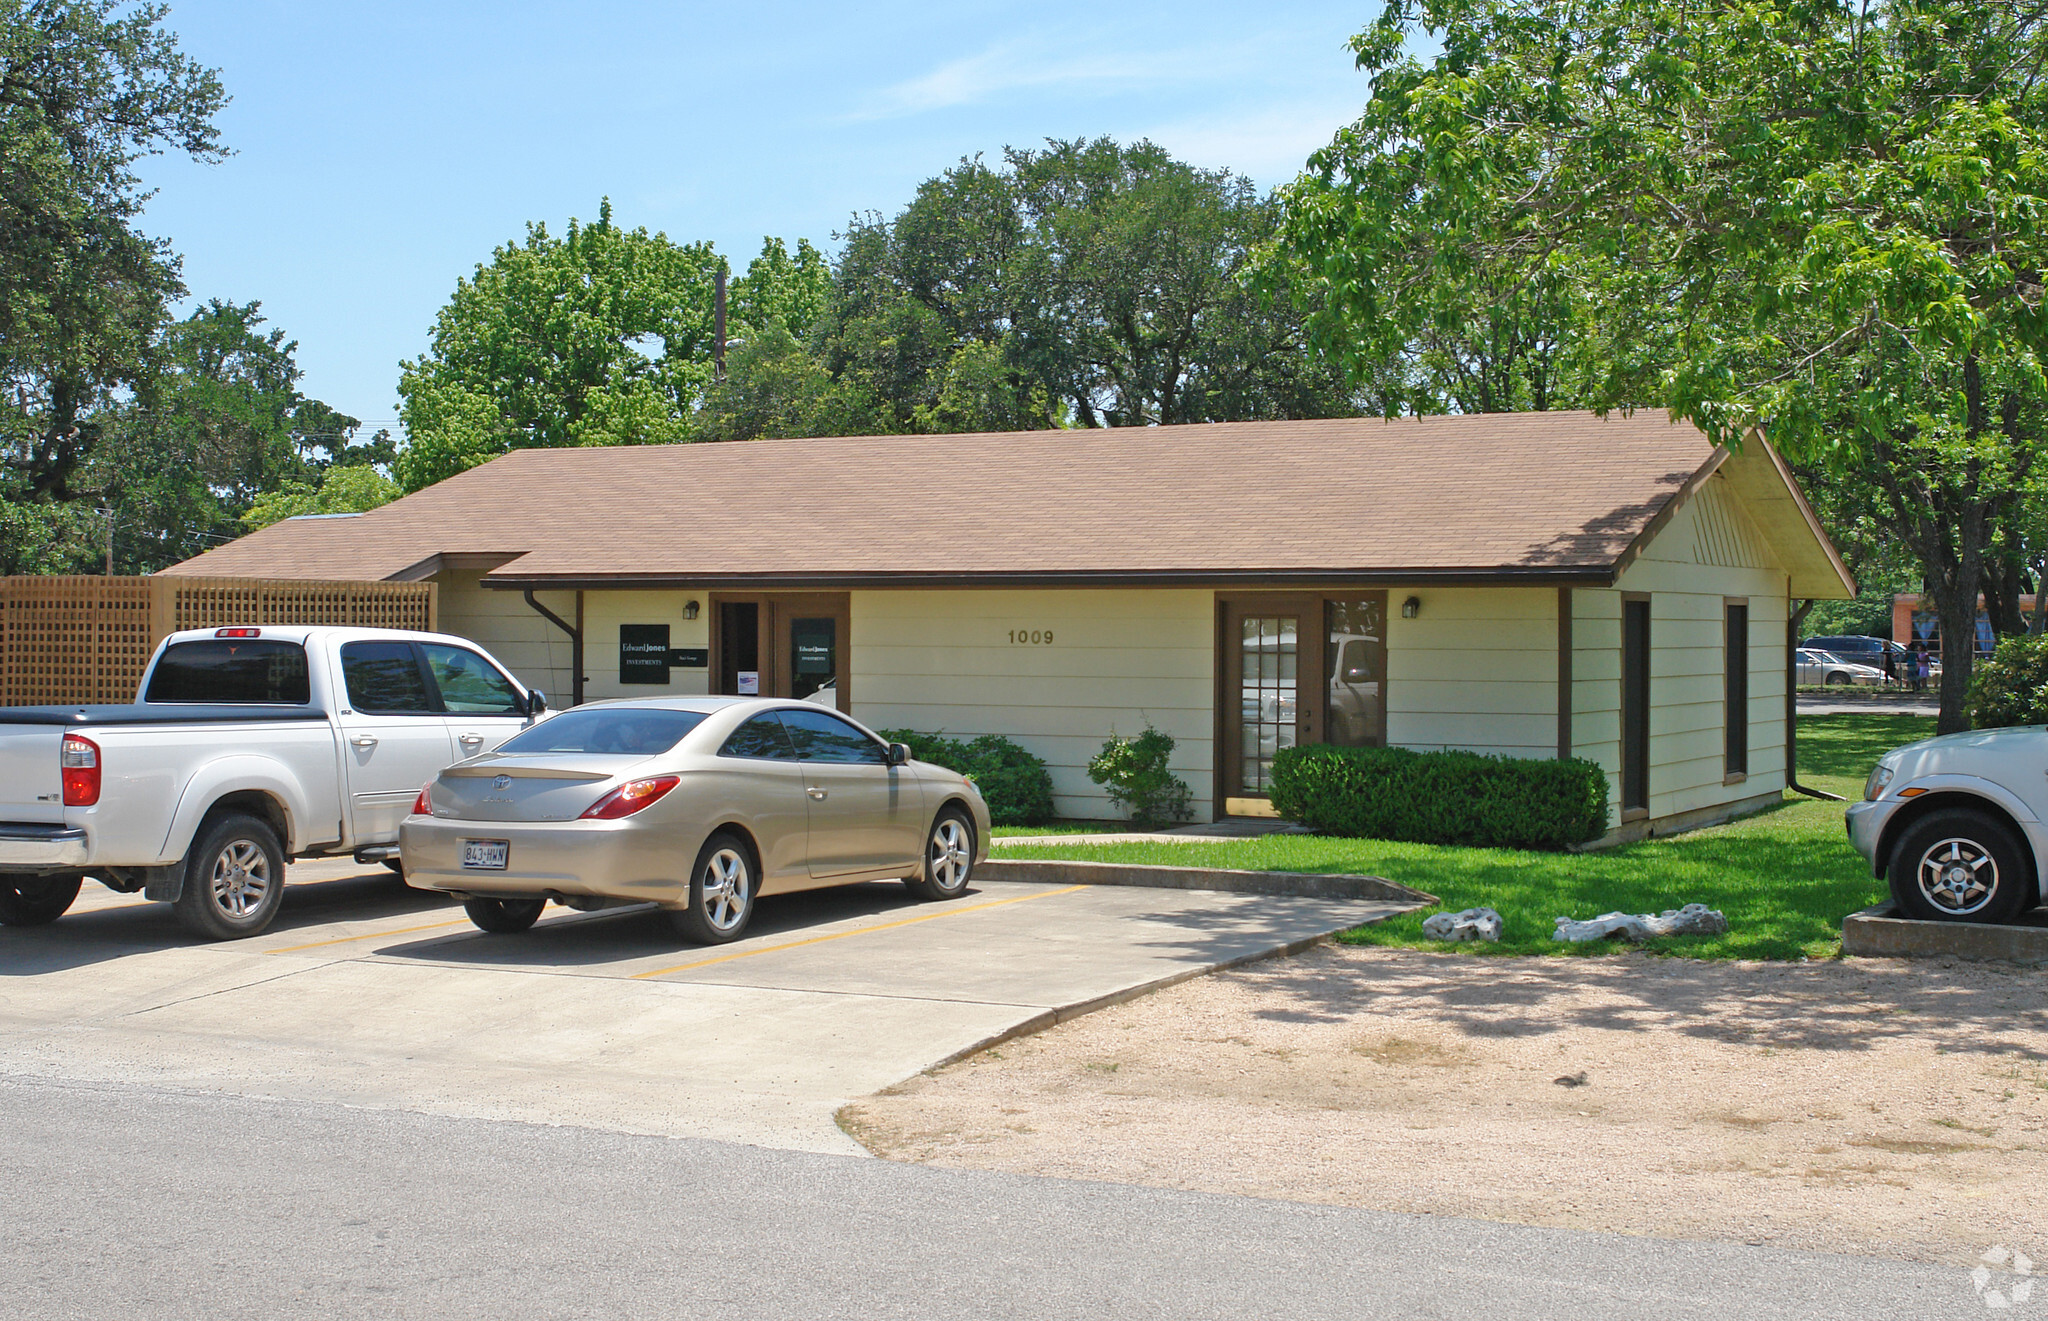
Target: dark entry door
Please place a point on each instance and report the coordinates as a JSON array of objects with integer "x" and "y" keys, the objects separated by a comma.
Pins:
[
  {"x": 1635, "y": 705},
  {"x": 785, "y": 645}
]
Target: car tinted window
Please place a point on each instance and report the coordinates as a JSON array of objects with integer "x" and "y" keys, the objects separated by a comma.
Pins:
[
  {"x": 469, "y": 684},
  {"x": 762, "y": 737},
  {"x": 631, "y": 731},
  {"x": 231, "y": 670},
  {"x": 384, "y": 679},
  {"x": 821, "y": 736}
]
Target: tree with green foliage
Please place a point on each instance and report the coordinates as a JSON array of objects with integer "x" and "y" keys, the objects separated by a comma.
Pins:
[
  {"x": 87, "y": 88},
  {"x": 1820, "y": 219},
  {"x": 1085, "y": 284},
  {"x": 351, "y": 490},
  {"x": 219, "y": 424}
]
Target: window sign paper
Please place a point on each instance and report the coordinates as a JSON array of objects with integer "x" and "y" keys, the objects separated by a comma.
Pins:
[
  {"x": 750, "y": 683},
  {"x": 643, "y": 653}
]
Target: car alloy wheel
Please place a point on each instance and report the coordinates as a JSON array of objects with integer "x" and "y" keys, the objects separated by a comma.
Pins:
[
  {"x": 727, "y": 886},
  {"x": 948, "y": 858},
  {"x": 1958, "y": 876}
]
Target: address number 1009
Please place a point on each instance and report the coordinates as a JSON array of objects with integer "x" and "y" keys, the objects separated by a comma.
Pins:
[{"x": 1030, "y": 637}]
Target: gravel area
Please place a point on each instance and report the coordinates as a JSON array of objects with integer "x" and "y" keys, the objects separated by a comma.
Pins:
[{"x": 1882, "y": 1107}]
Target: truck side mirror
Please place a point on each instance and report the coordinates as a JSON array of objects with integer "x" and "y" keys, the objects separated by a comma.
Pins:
[{"x": 536, "y": 702}]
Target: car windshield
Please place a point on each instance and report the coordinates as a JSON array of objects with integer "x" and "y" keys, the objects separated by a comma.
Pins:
[{"x": 612, "y": 731}]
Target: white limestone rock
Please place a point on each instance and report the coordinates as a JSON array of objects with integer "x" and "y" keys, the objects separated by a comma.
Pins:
[
  {"x": 1691, "y": 920},
  {"x": 1472, "y": 924}
]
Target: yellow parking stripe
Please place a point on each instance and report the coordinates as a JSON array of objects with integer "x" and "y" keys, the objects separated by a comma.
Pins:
[
  {"x": 857, "y": 931},
  {"x": 374, "y": 935}
]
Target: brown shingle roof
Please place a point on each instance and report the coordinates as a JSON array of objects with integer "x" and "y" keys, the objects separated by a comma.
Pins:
[{"x": 1530, "y": 494}]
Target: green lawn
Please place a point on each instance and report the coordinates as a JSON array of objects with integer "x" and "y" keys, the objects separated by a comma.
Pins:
[{"x": 1785, "y": 877}]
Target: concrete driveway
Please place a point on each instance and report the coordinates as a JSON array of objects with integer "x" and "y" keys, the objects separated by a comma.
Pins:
[{"x": 368, "y": 993}]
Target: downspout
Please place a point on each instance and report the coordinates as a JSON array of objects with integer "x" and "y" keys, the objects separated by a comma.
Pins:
[
  {"x": 1793, "y": 621},
  {"x": 575, "y": 648}
]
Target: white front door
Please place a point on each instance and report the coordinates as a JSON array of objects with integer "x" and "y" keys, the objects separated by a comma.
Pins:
[{"x": 393, "y": 740}]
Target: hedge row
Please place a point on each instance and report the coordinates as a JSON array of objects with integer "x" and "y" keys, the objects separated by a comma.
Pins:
[
  {"x": 1441, "y": 797},
  {"x": 1015, "y": 785}
]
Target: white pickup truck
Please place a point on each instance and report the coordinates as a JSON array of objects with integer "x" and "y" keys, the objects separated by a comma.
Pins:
[{"x": 246, "y": 748}]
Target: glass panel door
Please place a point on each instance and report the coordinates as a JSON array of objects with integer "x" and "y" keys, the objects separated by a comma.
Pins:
[
  {"x": 1269, "y": 667},
  {"x": 1271, "y": 655}
]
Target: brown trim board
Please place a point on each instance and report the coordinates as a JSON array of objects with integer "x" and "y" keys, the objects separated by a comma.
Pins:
[
  {"x": 1247, "y": 579},
  {"x": 1564, "y": 673}
]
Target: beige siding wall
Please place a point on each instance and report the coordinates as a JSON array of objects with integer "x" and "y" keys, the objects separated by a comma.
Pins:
[
  {"x": 603, "y": 612},
  {"x": 534, "y": 650},
  {"x": 1710, "y": 551},
  {"x": 944, "y": 662},
  {"x": 1475, "y": 670}
]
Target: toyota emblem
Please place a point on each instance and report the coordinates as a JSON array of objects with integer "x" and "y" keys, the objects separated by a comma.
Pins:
[{"x": 502, "y": 782}]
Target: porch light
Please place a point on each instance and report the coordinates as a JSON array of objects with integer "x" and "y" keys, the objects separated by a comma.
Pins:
[
  {"x": 689, "y": 609},
  {"x": 1411, "y": 607}
]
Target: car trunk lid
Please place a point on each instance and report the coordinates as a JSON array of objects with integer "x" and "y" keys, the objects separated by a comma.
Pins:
[{"x": 541, "y": 787}]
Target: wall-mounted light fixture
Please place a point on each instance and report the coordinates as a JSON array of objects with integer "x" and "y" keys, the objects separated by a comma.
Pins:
[
  {"x": 1411, "y": 607},
  {"x": 689, "y": 610}
]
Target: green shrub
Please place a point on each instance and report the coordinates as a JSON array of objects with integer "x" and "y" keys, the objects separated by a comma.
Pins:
[
  {"x": 2010, "y": 686},
  {"x": 1135, "y": 772},
  {"x": 1441, "y": 797},
  {"x": 1015, "y": 785}
]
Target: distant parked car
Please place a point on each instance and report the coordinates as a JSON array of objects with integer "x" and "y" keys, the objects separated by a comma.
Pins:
[
  {"x": 698, "y": 804},
  {"x": 1955, "y": 824},
  {"x": 1863, "y": 649},
  {"x": 1825, "y": 667}
]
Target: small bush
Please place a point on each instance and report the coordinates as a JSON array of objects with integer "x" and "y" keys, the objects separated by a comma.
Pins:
[
  {"x": 2010, "y": 686},
  {"x": 1015, "y": 785},
  {"x": 1135, "y": 772},
  {"x": 1441, "y": 797}
]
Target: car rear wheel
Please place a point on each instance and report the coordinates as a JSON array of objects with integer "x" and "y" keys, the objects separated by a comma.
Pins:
[
  {"x": 36, "y": 901},
  {"x": 504, "y": 917},
  {"x": 1837, "y": 678},
  {"x": 948, "y": 858},
  {"x": 234, "y": 879},
  {"x": 722, "y": 890},
  {"x": 1959, "y": 865}
]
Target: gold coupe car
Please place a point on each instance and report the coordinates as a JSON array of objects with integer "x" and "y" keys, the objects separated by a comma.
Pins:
[{"x": 698, "y": 804}]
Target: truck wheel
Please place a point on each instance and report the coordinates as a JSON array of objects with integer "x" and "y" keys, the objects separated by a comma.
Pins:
[
  {"x": 1956, "y": 865},
  {"x": 36, "y": 901},
  {"x": 234, "y": 879}
]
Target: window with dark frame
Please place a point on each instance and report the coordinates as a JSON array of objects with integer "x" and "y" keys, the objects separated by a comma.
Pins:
[{"x": 1735, "y": 720}]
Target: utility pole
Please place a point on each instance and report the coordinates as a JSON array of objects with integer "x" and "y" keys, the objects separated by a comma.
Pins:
[{"x": 718, "y": 328}]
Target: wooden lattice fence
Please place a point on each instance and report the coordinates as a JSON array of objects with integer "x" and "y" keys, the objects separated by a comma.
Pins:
[{"x": 88, "y": 639}]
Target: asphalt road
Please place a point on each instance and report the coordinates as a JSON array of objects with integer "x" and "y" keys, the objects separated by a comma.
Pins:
[{"x": 122, "y": 1200}]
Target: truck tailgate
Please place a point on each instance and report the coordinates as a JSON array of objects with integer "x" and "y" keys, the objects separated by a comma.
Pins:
[{"x": 31, "y": 784}]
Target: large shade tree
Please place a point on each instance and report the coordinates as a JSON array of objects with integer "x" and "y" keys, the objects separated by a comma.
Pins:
[
  {"x": 87, "y": 89},
  {"x": 1817, "y": 218}
]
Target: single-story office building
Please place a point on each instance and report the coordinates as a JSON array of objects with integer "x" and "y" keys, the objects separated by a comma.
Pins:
[{"x": 1537, "y": 585}]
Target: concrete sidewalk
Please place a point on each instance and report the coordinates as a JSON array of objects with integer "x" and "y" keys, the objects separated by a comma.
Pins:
[{"x": 368, "y": 993}]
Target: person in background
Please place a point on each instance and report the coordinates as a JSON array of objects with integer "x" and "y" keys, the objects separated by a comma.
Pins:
[
  {"x": 1913, "y": 663},
  {"x": 1891, "y": 666}
]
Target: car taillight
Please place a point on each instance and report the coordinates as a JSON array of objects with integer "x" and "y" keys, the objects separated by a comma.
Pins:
[
  {"x": 630, "y": 797},
  {"x": 424, "y": 804},
  {"x": 80, "y": 760}
]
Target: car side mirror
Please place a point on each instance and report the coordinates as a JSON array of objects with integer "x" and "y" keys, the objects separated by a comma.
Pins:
[
  {"x": 899, "y": 753},
  {"x": 536, "y": 702}
]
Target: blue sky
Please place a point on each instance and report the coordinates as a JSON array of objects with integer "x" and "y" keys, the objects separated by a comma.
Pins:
[{"x": 382, "y": 150}]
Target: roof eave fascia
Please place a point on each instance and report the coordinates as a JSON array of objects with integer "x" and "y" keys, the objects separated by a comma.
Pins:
[
  {"x": 1572, "y": 575},
  {"x": 1806, "y": 511}
]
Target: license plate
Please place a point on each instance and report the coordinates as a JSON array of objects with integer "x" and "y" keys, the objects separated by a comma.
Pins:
[{"x": 488, "y": 854}]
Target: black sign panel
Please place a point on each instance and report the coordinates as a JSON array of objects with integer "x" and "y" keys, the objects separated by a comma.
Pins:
[
  {"x": 643, "y": 653},
  {"x": 690, "y": 658}
]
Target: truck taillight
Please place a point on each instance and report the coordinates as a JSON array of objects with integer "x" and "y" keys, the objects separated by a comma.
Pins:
[
  {"x": 80, "y": 760},
  {"x": 238, "y": 632}
]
